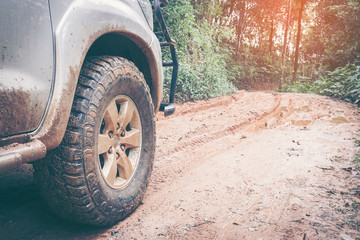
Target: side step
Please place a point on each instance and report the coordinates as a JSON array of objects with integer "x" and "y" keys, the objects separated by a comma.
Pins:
[
  {"x": 167, "y": 108},
  {"x": 14, "y": 155}
]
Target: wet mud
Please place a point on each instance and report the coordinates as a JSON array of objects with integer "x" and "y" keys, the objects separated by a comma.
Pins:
[{"x": 254, "y": 165}]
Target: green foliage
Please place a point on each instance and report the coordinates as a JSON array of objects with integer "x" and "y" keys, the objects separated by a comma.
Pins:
[
  {"x": 357, "y": 155},
  {"x": 342, "y": 83},
  {"x": 256, "y": 69},
  {"x": 357, "y": 161},
  {"x": 201, "y": 54},
  {"x": 333, "y": 40},
  {"x": 222, "y": 44}
]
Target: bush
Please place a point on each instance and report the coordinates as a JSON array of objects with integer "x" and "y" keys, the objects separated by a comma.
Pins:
[
  {"x": 342, "y": 83},
  {"x": 202, "y": 59}
]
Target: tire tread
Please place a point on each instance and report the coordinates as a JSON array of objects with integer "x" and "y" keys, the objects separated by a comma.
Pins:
[{"x": 64, "y": 182}]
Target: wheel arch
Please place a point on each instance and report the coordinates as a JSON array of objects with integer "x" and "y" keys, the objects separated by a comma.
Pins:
[
  {"x": 121, "y": 45},
  {"x": 88, "y": 28}
]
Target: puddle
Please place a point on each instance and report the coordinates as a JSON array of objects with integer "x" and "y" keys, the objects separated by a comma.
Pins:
[
  {"x": 300, "y": 122},
  {"x": 303, "y": 109},
  {"x": 339, "y": 120}
]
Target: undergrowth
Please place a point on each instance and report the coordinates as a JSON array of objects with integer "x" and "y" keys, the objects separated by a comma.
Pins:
[
  {"x": 357, "y": 155},
  {"x": 202, "y": 60},
  {"x": 353, "y": 219},
  {"x": 342, "y": 83}
]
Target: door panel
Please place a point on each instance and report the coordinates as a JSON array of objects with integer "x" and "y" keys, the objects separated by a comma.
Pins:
[{"x": 26, "y": 64}]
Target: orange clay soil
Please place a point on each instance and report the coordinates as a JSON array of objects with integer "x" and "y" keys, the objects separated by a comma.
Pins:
[{"x": 255, "y": 165}]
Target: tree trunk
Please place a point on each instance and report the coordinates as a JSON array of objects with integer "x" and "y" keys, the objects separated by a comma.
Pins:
[
  {"x": 241, "y": 24},
  {"x": 285, "y": 42},
  {"x": 286, "y": 32},
  {"x": 271, "y": 37},
  {"x": 296, "y": 61}
]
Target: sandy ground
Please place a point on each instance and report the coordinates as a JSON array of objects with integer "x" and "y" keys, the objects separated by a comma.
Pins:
[{"x": 254, "y": 165}]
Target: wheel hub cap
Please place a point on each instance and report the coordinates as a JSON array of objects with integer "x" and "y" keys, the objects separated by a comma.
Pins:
[{"x": 119, "y": 141}]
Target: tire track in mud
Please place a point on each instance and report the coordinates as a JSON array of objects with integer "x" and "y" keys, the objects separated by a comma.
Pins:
[
  {"x": 190, "y": 195},
  {"x": 188, "y": 108},
  {"x": 210, "y": 183},
  {"x": 251, "y": 124},
  {"x": 280, "y": 113},
  {"x": 283, "y": 107}
]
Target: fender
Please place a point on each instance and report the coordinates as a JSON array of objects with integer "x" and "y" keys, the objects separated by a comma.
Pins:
[
  {"x": 83, "y": 22},
  {"x": 76, "y": 25}
]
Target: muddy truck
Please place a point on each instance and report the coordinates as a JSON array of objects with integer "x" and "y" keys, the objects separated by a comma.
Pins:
[{"x": 80, "y": 84}]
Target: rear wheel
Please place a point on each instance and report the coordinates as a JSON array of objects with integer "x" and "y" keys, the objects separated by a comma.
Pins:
[{"x": 99, "y": 173}]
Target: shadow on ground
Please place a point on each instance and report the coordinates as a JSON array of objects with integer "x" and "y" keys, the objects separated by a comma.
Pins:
[{"x": 24, "y": 215}]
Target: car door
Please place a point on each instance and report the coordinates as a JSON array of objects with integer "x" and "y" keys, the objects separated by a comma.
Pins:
[{"x": 26, "y": 64}]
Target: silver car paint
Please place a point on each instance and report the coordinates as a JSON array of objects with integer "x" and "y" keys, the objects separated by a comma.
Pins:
[
  {"x": 26, "y": 64},
  {"x": 77, "y": 24},
  {"x": 82, "y": 23}
]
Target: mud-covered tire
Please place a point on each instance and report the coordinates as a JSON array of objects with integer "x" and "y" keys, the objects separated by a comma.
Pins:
[{"x": 74, "y": 178}]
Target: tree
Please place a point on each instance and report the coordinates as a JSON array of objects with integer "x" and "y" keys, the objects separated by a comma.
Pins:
[
  {"x": 296, "y": 61},
  {"x": 258, "y": 42},
  {"x": 286, "y": 31}
]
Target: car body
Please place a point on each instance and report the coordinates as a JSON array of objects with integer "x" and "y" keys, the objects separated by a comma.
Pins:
[
  {"x": 80, "y": 84},
  {"x": 43, "y": 46}
]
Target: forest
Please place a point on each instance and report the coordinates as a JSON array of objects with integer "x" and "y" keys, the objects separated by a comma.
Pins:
[{"x": 310, "y": 46}]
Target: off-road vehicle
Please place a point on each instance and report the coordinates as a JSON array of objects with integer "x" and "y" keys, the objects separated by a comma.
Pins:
[{"x": 80, "y": 83}]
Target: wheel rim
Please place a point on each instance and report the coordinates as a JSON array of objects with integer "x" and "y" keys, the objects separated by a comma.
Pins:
[{"x": 119, "y": 141}]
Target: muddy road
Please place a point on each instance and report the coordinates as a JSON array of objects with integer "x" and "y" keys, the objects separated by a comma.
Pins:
[{"x": 254, "y": 165}]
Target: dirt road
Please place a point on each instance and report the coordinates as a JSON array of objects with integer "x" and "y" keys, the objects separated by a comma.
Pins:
[{"x": 253, "y": 165}]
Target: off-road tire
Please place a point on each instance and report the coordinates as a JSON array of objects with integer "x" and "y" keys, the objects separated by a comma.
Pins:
[{"x": 70, "y": 177}]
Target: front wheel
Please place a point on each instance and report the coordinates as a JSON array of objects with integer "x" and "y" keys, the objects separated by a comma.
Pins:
[{"x": 99, "y": 173}]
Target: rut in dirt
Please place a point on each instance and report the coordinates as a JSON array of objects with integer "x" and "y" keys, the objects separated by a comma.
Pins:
[
  {"x": 255, "y": 165},
  {"x": 250, "y": 166}
]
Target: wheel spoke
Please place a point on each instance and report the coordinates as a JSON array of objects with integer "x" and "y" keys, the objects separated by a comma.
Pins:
[
  {"x": 131, "y": 139},
  {"x": 125, "y": 166},
  {"x": 104, "y": 143},
  {"x": 126, "y": 113},
  {"x": 119, "y": 141},
  {"x": 111, "y": 116},
  {"x": 110, "y": 168}
]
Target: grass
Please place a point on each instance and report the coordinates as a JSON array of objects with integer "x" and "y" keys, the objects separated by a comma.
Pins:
[
  {"x": 357, "y": 161},
  {"x": 353, "y": 219},
  {"x": 357, "y": 155}
]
